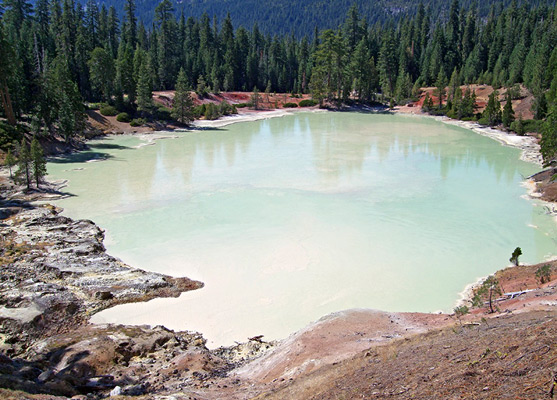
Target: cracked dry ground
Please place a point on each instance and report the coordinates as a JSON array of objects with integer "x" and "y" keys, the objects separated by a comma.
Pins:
[{"x": 513, "y": 356}]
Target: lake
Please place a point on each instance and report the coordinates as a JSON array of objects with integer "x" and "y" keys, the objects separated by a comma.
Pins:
[{"x": 288, "y": 219}]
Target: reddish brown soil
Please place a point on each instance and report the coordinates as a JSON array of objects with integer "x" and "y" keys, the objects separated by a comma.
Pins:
[
  {"x": 271, "y": 101},
  {"x": 520, "y": 106},
  {"x": 512, "y": 357}
]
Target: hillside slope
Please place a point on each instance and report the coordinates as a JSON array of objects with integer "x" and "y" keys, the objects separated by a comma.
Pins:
[{"x": 301, "y": 17}]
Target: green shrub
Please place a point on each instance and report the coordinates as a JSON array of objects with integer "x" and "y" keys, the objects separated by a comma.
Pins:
[
  {"x": 307, "y": 103},
  {"x": 199, "y": 111},
  {"x": 543, "y": 273},
  {"x": 290, "y": 105},
  {"x": 242, "y": 105},
  {"x": 226, "y": 108},
  {"x": 8, "y": 134},
  {"x": 532, "y": 125},
  {"x": 137, "y": 122},
  {"x": 163, "y": 113},
  {"x": 123, "y": 117},
  {"x": 483, "y": 121},
  {"x": 94, "y": 106},
  {"x": 108, "y": 111},
  {"x": 211, "y": 112}
]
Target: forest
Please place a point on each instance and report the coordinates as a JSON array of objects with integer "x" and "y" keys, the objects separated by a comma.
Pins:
[
  {"x": 57, "y": 56},
  {"x": 283, "y": 17}
]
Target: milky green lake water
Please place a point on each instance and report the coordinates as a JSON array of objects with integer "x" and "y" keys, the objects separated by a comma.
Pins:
[{"x": 288, "y": 219}]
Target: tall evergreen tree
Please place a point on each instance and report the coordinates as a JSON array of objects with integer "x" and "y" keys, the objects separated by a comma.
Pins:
[
  {"x": 10, "y": 161},
  {"x": 102, "y": 71},
  {"x": 548, "y": 142},
  {"x": 508, "y": 112},
  {"x": 144, "y": 91},
  {"x": 182, "y": 108},
  {"x": 7, "y": 57},
  {"x": 38, "y": 162},
  {"x": 492, "y": 113},
  {"x": 23, "y": 173},
  {"x": 130, "y": 23}
]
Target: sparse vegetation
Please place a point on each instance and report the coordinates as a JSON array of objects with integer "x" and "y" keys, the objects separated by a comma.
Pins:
[
  {"x": 490, "y": 287},
  {"x": 461, "y": 311},
  {"x": 543, "y": 273}
]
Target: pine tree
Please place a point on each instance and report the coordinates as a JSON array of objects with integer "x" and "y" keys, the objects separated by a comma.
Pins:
[
  {"x": 38, "y": 161},
  {"x": 256, "y": 98},
  {"x": 492, "y": 113},
  {"x": 508, "y": 113},
  {"x": 23, "y": 173},
  {"x": 9, "y": 162},
  {"x": 144, "y": 91},
  {"x": 7, "y": 57},
  {"x": 182, "y": 109},
  {"x": 70, "y": 112},
  {"x": 441, "y": 84},
  {"x": 548, "y": 143},
  {"x": 102, "y": 72},
  {"x": 428, "y": 103}
]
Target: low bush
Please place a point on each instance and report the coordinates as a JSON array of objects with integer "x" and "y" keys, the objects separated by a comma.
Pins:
[
  {"x": 242, "y": 105},
  {"x": 108, "y": 111},
  {"x": 290, "y": 105},
  {"x": 123, "y": 117},
  {"x": 307, "y": 103},
  {"x": 94, "y": 106},
  {"x": 8, "y": 135},
  {"x": 137, "y": 122},
  {"x": 163, "y": 113},
  {"x": 483, "y": 121},
  {"x": 532, "y": 125}
]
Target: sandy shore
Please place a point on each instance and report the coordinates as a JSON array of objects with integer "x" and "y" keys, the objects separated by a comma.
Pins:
[
  {"x": 529, "y": 145},
  {"x": 249, "y": 116}
]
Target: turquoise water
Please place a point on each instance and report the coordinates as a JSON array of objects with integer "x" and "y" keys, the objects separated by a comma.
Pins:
[{"x": 288, "y": 219}]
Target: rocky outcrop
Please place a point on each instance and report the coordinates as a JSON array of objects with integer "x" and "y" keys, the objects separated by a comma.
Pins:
[{"x": 55, "y": 273}]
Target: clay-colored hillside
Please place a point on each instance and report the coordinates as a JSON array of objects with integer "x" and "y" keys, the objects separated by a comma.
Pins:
[
  {"x": 522, "y": 105},
  {"x": 511, "y": 357}
]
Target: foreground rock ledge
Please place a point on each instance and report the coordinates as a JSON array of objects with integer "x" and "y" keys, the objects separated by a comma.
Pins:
[{"x": 55, "y": 273}]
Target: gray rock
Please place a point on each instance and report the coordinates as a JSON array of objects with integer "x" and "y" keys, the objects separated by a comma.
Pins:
[{"x": 117, "y": 391}]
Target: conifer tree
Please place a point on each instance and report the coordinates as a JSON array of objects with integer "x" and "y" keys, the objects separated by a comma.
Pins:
[
  {"x": 441, "y": 84},
  {"x": 7, "y": 57},
  {"x": 38, "y": 161},
  {"x": 23, "y": 173},
  {"x": 182, "y": 108},
  {"x": 548, "y": 143},
  {"x": 144, "y": 91},
  {"x": 256, "y": 98},
  {"x": 508, "y": 113},
  {"x": 102, "y": 72},
  {"x": 428, "y": 103},
  {"x": 10, "y": 161},
  {"x": 492, "y": 113}
]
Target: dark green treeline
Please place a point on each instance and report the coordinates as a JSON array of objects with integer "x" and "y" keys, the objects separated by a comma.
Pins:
[{"x": 57, "y": 54}]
